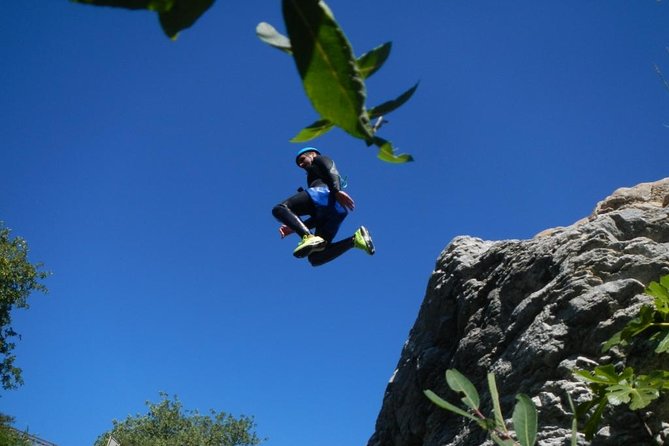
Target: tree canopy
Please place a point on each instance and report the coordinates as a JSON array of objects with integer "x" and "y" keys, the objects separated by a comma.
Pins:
[
  {"x": 168, "y": 424},
  {"x": 10, "y": 436},
  {"x": 18, "y": 279}
]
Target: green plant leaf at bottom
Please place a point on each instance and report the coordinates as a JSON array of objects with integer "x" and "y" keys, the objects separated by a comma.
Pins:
[
  {"x": 638, "y": 396},
  {"x": 448, "y": 406},
  {"x": 525, "y": 420},
  {"x": 460, "y": 383},
  {"x": 663, "y": 345},
  {"x": 497, "y": 409},
  {"x": 574, "y": 422},
  {"x": 498, "y": 441}
]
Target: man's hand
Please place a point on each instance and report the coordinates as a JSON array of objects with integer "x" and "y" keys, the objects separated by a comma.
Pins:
[
  {"x": 345, "y": 200},
  {"x": 284, "y": 231}
]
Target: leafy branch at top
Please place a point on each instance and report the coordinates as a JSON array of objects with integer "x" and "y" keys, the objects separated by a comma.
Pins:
[
  {"x": 332, "y": 77},
  {"x": 174, "y": 15}
]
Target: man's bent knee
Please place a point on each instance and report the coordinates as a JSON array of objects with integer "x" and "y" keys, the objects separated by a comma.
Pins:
[{"x": 279, "y": 210}]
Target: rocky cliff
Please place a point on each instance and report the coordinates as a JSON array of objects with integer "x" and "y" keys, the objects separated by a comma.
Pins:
[{"x": 530, "y": 311}]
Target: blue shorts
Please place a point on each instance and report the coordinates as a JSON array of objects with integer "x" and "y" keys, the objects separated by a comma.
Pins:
[{"x": 329, "y": 213}]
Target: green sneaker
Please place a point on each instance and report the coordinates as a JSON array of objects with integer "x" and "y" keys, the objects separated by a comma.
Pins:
[
  {"x": 362, "y": 240},
  {"x": 309, "y": 243}
]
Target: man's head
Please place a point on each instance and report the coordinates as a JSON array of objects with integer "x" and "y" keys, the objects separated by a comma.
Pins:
[{"x": 305, "y": 156}]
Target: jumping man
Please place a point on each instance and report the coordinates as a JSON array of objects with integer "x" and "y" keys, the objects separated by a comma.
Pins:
[{"x": 326, "y": 205}]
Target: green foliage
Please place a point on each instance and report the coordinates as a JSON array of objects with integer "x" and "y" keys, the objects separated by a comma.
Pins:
[
  {"x": 574, "y": 422},
  {"x": 174, "y": 15},
  {"x": 459, "y": 383},
  {"x": 10, "y": 436},
  {"x": 525, "y": 420},
  {"x": 371, "y": 61},
  {"x": 524, "y": 413},
  {"x": 332, "y": 77},
  {"x": 167, "y": 424},
  {"x": 368, "y": 64},
  {"x": 653, "y": 318},
  {"x": 622, "y": 388},
  {"x": 18, "y": 279},
  {"x": 635, "y": 389},
  {"x": 325, "y": 63}
]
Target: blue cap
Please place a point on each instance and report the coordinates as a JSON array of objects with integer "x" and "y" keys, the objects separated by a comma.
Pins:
[{"x": 305, "y": 150}]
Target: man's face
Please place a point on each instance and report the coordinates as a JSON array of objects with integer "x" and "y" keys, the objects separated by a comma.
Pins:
[{"x": 306, "y": 159}]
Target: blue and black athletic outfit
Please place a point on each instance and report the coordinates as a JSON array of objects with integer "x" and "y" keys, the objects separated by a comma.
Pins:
[{"x": 319, "y": 203}]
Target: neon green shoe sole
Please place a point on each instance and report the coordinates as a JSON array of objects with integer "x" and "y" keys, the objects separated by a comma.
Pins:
[
  {"x": 362, "y": 240},
  {"x": 310, "y": 243}
]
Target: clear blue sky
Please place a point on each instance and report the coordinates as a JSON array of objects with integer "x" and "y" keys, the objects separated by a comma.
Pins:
[{"x": 142, "y": 173}]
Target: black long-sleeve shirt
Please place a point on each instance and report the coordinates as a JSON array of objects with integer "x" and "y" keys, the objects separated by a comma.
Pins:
[{"x": 323, "y": 172}]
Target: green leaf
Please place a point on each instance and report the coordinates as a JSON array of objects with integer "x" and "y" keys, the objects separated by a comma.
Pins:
[
  {"x": 448, "y": 406},
  {"x": 637, "y": 397},
  {"x": 640, "y": 323},
  {"x": 605, "y": 374},
  {"x": 592, "y": 425},
  {"x": 268, "y": 34},
  {"x": 616, "y": 339},
  {"x": 664, "y": 281},
  {"x": 660, "y": 293},
  {"x": 497, "y": 408},
  {"x": 153, "y": 5},
  {"x": 525, "y": 420},
  {"x": 326, "y": 64},
  {"x": 387, "y": 152},
  {"x": 663, "y": 345},
  {"x": 371, "y": 61},
  {"x": 658, "y": 379},
  {"x": 389, "y": 106},
  {"x": 315, "y": 130},
  {"x": 501, "y": 442},
  {"x": 368, "y": 63},
  {"x": 182, "y": 15},
  {"x": 656, "y": 289},
  {"x": 459, "y": 383},
  {"x": 174, "y": 15},
  {"x": 574, "y": 421}
]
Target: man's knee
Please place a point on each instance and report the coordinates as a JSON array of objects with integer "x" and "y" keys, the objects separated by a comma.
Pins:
[{"x": 279, "y": 210}]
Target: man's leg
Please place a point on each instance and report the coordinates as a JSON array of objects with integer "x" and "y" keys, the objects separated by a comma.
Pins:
[
  {"x": 328, "y": 230},
  {"x": 331, "y": 252},
  {"x": 288, "y": 211},
  {"x": 360, "y": 239}
]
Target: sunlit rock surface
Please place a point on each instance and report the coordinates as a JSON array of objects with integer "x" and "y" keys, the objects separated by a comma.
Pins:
[{"x": 530, "y": 311}]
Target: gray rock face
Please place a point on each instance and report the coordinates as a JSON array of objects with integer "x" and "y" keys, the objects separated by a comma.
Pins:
[{"x": 530, "y": 311}]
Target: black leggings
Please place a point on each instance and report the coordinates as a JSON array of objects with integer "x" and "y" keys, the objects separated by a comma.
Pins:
[{"x": 288, "y": 212}]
